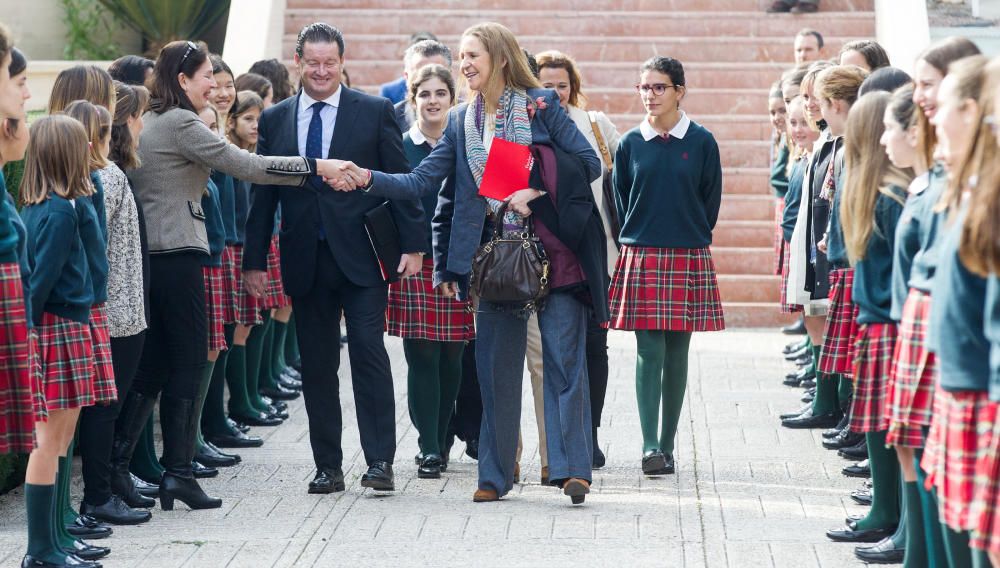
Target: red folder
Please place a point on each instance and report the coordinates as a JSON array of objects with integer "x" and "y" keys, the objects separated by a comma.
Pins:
[{"x": 508, "y": 167}]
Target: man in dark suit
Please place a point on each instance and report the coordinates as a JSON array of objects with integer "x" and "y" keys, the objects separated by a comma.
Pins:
[{"x": 327, "y": 262}]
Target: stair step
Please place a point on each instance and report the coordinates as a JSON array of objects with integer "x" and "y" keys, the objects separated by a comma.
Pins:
[
  {"x": 746, "y": 181},
  {"x": 659, "y": 23},
  {"x": 756, "y": 314},
  {"x": 829, "y": 7},
  {"x": 750, "y": 287},
  {"x": 743, "y": 234},
  {"x": 746, "y": 207},
  {"x": 743, "y": 260}
]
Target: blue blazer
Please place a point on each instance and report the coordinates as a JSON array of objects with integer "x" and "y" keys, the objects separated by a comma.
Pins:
[
  {"x": 461, "y": 212},
  {"x": 395, "y": 91}
]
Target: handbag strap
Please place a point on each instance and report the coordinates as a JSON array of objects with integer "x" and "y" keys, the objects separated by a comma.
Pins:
[
  {"x": 529, "y": 226},
  {"x": 601, "y": 144}
]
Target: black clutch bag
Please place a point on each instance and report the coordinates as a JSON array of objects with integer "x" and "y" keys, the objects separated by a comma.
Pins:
[{"x": 384, "y": 238}]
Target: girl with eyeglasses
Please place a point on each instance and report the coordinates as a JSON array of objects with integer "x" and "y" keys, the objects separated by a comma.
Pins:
[{"x": 668, "y": 185}]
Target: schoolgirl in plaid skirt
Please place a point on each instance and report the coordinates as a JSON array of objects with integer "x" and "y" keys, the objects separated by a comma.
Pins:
[{"x": 17, "y": 383}]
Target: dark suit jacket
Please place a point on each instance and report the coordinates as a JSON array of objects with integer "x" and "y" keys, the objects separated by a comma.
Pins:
[{"x": 365, "y": 133}]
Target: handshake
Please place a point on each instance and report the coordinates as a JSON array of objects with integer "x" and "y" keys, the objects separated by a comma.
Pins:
[{"x": 342, "y": 175}]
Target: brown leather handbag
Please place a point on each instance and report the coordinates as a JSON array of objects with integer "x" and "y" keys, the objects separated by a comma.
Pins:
[{"x": 511, "y": 270}]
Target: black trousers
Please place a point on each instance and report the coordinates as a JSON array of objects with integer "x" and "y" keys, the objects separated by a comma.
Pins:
[
  {"x": 97, "y": 423},
  {"x": 468, "y": 414},
  {"x": 597, "y": 368},
  {"x": 317, "y": 324},
  {"x": 177, "y": 339}
]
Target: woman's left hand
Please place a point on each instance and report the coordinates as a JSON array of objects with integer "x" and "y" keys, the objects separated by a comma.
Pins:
[{"x": 519, "y": 200}]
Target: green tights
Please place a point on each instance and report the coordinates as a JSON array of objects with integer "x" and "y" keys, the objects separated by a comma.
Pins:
[
  {"x": 885, "y": 484},
  {"x": 433, "y": 378},
  {"x": 660, "y": 381}
]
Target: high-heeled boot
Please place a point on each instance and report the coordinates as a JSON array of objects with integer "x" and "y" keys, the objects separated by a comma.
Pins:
[
  {"x": 179, "y": 419},
  {"x": 128, "y": 430}
]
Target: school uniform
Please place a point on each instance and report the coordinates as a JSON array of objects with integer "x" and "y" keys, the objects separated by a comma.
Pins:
[
  {"x": 274, "y": 296},
  {"x": 779, "y": 184},
  {"x": 668, "y": 191},
  {"x": 61, "y": 297},
  {"x": 912, "y": 364},
  {"x": 789, "y": 214},
  {"x": 805, "y": 259},
  {"x": 416, "y": 310},
  {"x": 247, "y": 307},
  {"x": 876, "y": 337},
  {"x": 986, "y": 493},
  {"x": 211, "y": 267},
  {"x": 957, "y": 338},
  {"x": 94, "y": 234},
  {"x": 20, "y": 394},
  {"x": 227, "y": 210}
]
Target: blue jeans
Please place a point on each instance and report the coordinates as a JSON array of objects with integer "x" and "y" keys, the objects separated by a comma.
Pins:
[{"x": 501, "y": 339}]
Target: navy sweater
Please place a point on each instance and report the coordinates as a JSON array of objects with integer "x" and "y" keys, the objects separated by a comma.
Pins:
[
  {"x": 872, "y": 274},
  {"x": 956, "y": 335},
  {"x": 668, "y": 191},
  {"x": 95, "y": 239},
  {"x": 227, "y": 204},
  {"x": 906, "y": 246},
  {"x": 992, "y": 329},
  {"x": 793, "y": 199},
  {"x": 215, "y": 227},
  {"x": 415, "y": 153},
  {"x": 931, "y": 222},
  {"x": 60, "y": 279}
]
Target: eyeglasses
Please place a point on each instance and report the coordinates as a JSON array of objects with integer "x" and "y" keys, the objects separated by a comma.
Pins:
[
  {"x": 191, "y": 47},
  {"x": 657, "y": 88}
]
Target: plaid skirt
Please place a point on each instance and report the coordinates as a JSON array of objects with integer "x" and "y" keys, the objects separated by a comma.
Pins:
[
  {"x": 67, "y": 369},
  {"x": 950, "y": 454},
  {"x": 911, "y": 394},
  {"x": 985, "y": 512},
  {"x": 836, "y": 356},
  {"x": 105, "y": 390},
  {"x": 18, "y": 411},
  {"x": 214, "y": 293},
  {"x": 671, "y": 289},
  {"x": 229, "y": 284},
  {"x": 786, "y": 308},
  {"x": 417, "y": 311},
  {"x": 872, "y": 367},
  {"x": 247, "y": 308},
  {"x": 779, "y": 237},
  {"x": 275, "y": 296}
]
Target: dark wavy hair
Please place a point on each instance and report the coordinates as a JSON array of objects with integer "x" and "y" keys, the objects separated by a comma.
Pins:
[
  {"x": 132, "y": 102},
  {"x": 130, "y": 69},
  {"x": 175, "y": 57},
  {"x": 275, "y": 72}
]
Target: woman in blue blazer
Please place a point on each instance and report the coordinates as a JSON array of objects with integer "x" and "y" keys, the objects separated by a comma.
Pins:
[{"x": 501, "y": 85}]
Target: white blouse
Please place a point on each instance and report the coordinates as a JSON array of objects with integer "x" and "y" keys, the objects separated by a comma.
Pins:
[{"x": 126, "y": 313}]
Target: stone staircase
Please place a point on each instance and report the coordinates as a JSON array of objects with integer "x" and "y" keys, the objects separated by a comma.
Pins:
[{"x": 731, "y": 51}]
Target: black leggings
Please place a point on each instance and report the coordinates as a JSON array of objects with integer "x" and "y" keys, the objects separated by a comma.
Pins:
[
  {"x": 177, "y": 339},
  {"x": 97, "y": 423}
]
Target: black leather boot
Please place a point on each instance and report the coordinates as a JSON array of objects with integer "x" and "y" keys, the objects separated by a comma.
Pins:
[
  {"x": 128, "y": 430},
  {"x": 180, "y": 421}
]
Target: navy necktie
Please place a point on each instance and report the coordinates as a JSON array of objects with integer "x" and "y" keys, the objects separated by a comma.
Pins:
[{"x": 314, "y": 146}]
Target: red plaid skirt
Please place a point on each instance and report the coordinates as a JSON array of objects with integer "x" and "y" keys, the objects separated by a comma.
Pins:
[
  {"x": 912, "y": 390},
  {"x": 872, "y": 367},
  {"x": 214, "y": 293},
  {"x": 836, "y": 356},
  {"x": 67, "y": 369},
  {"x": 229, "y": 284},
  {"x": 950, "y": 456},
  {"x": 418, "y": 311},
  {"x": 779, "y": 237},
  {"x": 275, "y": 296},
  {"x": 670, "y": 289},
  {"x": 247, "y": 307},
  {"x": 985, "y": 512},
  {"x": 41, "y": 412},
  {"x": 105, "y": 390},
  {"x": 17, "y": 393},
  {"x": 786, "y": 308}
]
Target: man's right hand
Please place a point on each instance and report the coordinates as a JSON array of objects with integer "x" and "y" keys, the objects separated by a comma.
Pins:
[{"x": 255, "y": 282}]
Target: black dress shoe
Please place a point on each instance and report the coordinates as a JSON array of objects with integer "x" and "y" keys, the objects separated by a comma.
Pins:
[
  {"x": 70, "y": 561},
  {"x": 808, "y": 420},
  {"x": 797, "y": 328},
  {"x": 292, "y": 373},
  {"x": 802, "y": 351},
  {"x": 258, "y": 419},
  {"x": 88, "y": 528},
  {"x": 379, "y": 477},
  {"x": 430, "y": 467},
  {"x": 860, "y": 469},
  {"x": 290, "y": 383},
  {"x": 795, "y": 379},
  {"x": 209, "y": 455},
  {"x": 858, "y": 452},
  {"x": 85, "y": 551},
  {"x": 202, "y": 471},
  {"x": 851, "y": 533},
  {"x": 862, "y": 497},
  {"x": 654, "y": 462},
  {"x": 884, "y": 552},
  {"x": 853, "y": 518},
  {"x": 836, "y": 430},
  {"x": 327, "y": 481},
  {"x": 237, "y": 425},
  {"x": 796, "y": 345},
  {"x": 795, "y": 414},
  {"x": 846, "y": 439},
  {"x": 809, "y": 384},
  {"x": 236, "y": 440},
  {"x": 472, "y": 448},
  {"x": 803, "y": 361},
  {"x": 116, "y": 512},
  {"x": 278, "y": 412},
  {"x": 278, "y": 392},
  {"x": 145, "y": 489}
]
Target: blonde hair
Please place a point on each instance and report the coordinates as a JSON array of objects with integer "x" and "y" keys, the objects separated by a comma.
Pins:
[
  {"x": 96, "y": 121},
  {"x": 558, "y": 60},
  {"x": 979, "y": 248},
  {"x": 814, "y": 69},
  {"x": 245, "y": 102},
  {"x": 56, "y": 160},
  {"x": 840, "y": 83},
  {"x": 868, "y": 173},
  {"x": 82, "y": 82},
  {"x": 968, "y": 76},
  {"x": 509, "y": 66}
]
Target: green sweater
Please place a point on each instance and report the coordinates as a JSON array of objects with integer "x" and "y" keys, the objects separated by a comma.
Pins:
[
  {"x": 779, "y": 170},
  {"x": 872, "y": 291}
]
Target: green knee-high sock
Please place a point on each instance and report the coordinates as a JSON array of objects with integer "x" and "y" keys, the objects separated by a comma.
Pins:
[
  {"x": 266, "y": 380},
  {"x": 292, "y": 356},
  {"x": 451, "y": 381},
  {"x": 144, "y": 463},
  {"x": 63, "y": 539},
  {"x": 884, "y": 512},
  {"x": 651, "y": 349},
  {"x": 280, "y": 331},
  {"x": 916, "y": 548},
  {"x": 206, "y": 381},
  {"x": 675, "y": 375},
  {"x": 845, "y": 390},
  {"x": 900, "y": 537},
  {"x": 39, "y": 504},
  {"x": 956, "y": 547},
  {"x": 815, "y": 357},
  {"x": 65, "y": 502},
  {"x": 826, "y": 394},
  {"x": 423, "y": 359},
  {"x": 255, "y": 345},
  {"x": 933, "y": 537},
  {"x": 213, "y": 416},
  {"x": 237, "y": 379}
]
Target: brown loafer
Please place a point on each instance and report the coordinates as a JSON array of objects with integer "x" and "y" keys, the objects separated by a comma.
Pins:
[
  {"x": 781, "y": 6},
  {"x": 805, "y": 8},
  {"x": 485, "y": 496},
  {"x": 545, "y": 475},
  {"x": 576, "y": 489}
]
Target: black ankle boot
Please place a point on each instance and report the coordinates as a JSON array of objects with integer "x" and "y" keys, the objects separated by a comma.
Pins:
[
  {"x": 180, "y": 421},
  {"x": 599, "y": 458},
  {"x": 128, "y": 430}
]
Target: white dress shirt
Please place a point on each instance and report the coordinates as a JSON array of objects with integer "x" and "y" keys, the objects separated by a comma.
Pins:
[{"x": 328, "y": 115}]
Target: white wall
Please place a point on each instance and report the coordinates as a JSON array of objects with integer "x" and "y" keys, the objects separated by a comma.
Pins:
[
  {"x": 901, "y": 28},
  {"x": 254, "y": 32}
]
